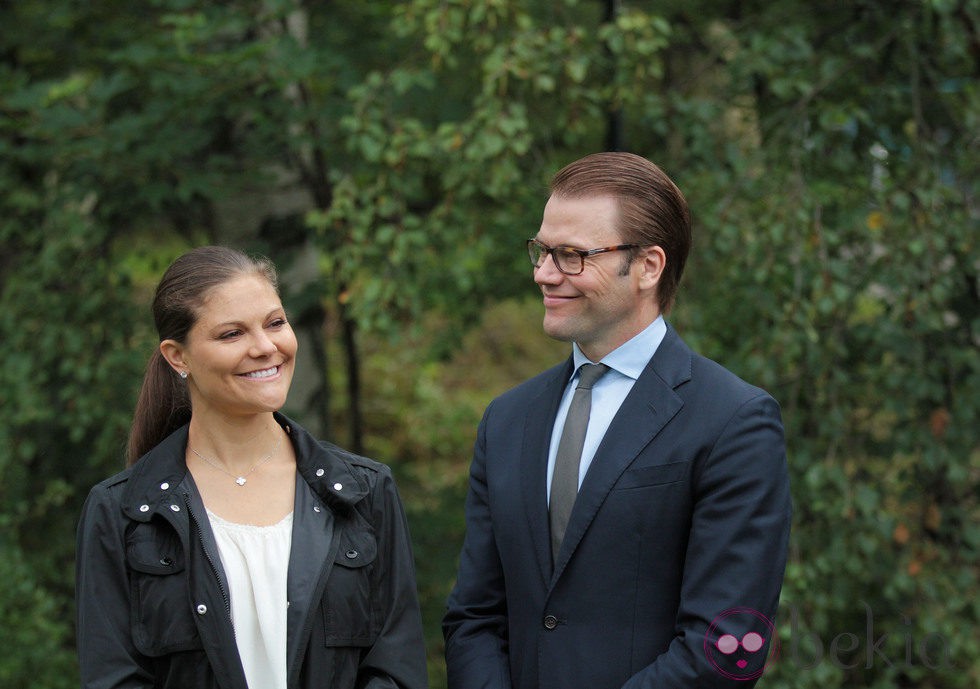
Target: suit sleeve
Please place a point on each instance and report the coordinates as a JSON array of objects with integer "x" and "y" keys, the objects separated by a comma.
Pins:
[
  {"x": 106, "y": 654},
  {"x": 396, "y": 660},
  {"x": 475, "y": 624},
  {"x": 735, "y": 558}
]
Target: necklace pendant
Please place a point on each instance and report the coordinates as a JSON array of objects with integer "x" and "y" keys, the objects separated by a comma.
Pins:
[{"x": 240, "y": 480}]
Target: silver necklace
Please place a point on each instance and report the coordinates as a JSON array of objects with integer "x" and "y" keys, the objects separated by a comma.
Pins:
[{"x": 240, "y": 480}]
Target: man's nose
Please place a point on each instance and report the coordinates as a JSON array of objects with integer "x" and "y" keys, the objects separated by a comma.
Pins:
[{"x": 547, "y": 273}]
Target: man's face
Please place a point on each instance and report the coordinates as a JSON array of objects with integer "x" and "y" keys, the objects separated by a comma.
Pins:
[{"x": 601, "y": 308}]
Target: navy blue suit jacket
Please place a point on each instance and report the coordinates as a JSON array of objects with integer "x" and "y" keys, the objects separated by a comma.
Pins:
[{"x": 678, "y": 536}]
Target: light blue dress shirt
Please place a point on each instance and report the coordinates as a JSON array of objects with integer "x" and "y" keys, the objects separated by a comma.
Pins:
[{"x": 625, "y": 363}]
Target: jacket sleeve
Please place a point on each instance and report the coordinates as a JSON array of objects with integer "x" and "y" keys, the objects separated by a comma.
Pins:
[
  {"x": 106, "y": 654},
  {"x": 735, "y": 558},
  {"x": 396, "y": 660},
  {"x": 475, "y": 624}
]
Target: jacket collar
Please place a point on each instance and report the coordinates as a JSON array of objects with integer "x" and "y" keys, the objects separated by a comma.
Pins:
[
  {"x": 534, "y": 470},
  {"x": 326, "y": 468}
]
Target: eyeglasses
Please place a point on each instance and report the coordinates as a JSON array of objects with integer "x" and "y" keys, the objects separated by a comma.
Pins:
[{"x": 568, "y": 260}]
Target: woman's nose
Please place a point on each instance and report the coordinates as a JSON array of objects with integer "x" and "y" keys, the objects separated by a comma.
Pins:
[{"x": 263, "y": 345}]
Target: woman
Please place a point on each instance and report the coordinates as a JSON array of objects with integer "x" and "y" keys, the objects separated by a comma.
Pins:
[{"x": 237, "y": 551}]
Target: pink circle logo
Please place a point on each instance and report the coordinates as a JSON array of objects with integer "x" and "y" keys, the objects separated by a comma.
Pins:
[{"x": 735, "y": 643}]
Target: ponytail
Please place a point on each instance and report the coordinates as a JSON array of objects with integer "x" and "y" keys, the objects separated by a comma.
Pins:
[{"x": 163, "y": 406}]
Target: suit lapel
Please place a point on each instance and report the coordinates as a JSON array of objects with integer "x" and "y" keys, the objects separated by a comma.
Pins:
[
  {"x": 646, "y": 410},
  {"x": 534, "y": 462}
]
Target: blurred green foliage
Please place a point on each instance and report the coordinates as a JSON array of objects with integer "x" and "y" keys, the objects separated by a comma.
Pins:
[{"x": 392, "y": 157}]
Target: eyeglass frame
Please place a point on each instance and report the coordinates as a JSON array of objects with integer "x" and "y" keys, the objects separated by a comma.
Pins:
[{"x": 582, "y": 253}]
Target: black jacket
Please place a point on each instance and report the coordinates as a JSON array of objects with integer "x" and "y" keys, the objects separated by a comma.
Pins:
[{"x": 153, "y": 608}]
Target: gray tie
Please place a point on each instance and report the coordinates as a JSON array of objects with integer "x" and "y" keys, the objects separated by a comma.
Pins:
[{"x": 564, "y": 481}]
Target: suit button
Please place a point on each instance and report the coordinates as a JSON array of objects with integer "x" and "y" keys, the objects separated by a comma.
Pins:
[{"x": 550, "y": 621}]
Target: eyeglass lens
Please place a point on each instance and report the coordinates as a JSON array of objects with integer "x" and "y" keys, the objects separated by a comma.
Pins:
[{"x": 568, "y": 261}]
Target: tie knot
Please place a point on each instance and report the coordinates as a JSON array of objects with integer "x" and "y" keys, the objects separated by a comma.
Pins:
[{"x": 589, "y": 374}]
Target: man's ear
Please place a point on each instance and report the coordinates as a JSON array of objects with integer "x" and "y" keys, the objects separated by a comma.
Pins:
[
  {"x": 652, "y": 260},
  {"x": 173, "y": 352}
]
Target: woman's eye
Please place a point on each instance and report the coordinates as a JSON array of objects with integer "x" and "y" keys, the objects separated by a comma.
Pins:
[
  {"x": 278, "y": 323},
  {"x": 229, "y": 335}
]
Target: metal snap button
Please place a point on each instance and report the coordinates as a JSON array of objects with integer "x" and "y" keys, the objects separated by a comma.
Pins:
[
  {"x": 320, "y": 472},
  {"x": 175, "y": 508},
  {"x": 166, "y": 561},
  {"x": 144, "y": 508},
  {"x": 202, "y": 609},
  {"x": 351, "y": 554},
  {"x": 164, "y": 485},
  {"x": 338, "y": 486}
]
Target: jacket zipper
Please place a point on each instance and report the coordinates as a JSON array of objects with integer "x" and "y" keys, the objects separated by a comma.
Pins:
[{"x": 214, "y": 569}]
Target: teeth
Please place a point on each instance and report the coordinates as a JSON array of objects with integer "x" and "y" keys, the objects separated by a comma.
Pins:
[{"x": 263, "y": 374}]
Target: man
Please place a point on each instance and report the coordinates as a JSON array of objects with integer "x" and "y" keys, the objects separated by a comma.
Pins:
[{"x": 650, "y": 553}]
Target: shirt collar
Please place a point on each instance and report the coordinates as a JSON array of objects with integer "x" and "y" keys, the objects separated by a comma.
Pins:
[{"x": 631, "y": 357}]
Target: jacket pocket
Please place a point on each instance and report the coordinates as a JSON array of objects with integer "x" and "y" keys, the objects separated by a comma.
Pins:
[
  {"x": 653, "y": 475},
  {"x": 162, "y": 621},
  {"x": 349, "y": 615}
]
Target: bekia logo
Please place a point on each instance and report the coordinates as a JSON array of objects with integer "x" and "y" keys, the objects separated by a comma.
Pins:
[{"x": 741, "y": 643}]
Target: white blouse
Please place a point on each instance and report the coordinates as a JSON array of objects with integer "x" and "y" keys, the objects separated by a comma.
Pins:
[{"x": 255, "y": 560}]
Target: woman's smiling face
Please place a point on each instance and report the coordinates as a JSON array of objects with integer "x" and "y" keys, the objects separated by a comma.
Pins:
[{"x": 240, "y": 353}]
